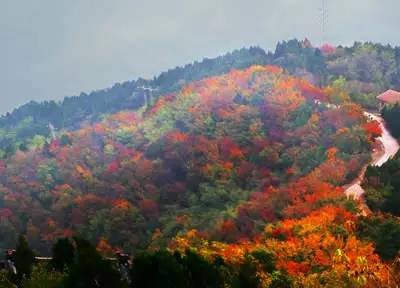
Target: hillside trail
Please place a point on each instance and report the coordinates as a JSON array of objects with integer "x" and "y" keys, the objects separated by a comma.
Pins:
[{"x": 386, "y": 149}]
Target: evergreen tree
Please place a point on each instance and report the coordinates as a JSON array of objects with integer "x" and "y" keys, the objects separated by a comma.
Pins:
[
  {"x": 24, "y": 258},
  {"x": 199, "y": 272},
  {"x": 158, "y": 270},
  {"x": 90, "y": 270},
  {"x": 63, "y": 254}
]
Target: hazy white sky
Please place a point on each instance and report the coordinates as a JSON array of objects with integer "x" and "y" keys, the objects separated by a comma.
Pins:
[{"x": 55, "y": 48}]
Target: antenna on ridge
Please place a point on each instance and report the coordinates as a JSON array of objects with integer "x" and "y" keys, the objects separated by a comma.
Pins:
[
  {"x": 324, "y": 20},
  {"x": 149, "y": 94}
]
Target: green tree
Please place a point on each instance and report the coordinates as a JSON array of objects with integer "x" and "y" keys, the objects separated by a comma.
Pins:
[
  {"x": 65, "y": 140},
  {"x": 41, "y": 278},
  {"x": 247, "y": 275},
  {"x": 281, "y": 280},
  {"x": 24, "y": 258},
  {"x": 90, "y": 269},
  {"x": 199, "y": 272},
  {"x": 384, "y": 232},
  {"x": 157, "y": 270},
  {"x": 63, "y": 254},
  {"x": 5, "y": 282},
  {"x": 38, "y": 142}
]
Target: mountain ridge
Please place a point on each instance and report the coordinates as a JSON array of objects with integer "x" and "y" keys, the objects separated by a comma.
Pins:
[{"x": 326, "y": 65}]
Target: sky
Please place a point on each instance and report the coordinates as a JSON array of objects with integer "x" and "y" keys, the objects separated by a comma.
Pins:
[{"x": 50, "y": 49}]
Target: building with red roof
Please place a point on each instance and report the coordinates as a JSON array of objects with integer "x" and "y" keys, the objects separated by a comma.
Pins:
[{"x": 390, "y": 97}]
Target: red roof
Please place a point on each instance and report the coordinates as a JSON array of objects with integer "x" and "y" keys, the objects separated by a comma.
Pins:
[{"x": 390, "y": 97}]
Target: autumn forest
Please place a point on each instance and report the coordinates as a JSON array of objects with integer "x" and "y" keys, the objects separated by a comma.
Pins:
[{"x": 231, "y": 173}]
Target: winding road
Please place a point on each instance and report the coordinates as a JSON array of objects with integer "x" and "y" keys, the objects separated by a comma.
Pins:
[{"x": 390, "y": 146}]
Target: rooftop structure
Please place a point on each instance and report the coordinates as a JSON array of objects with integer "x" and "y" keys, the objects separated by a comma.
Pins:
[{"x": 390, "y": 97}]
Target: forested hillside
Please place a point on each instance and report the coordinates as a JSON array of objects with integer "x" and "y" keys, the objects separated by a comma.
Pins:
[
  {"x": 19, "y": 128},
  {"x": 363, "y": 71},
  {"x": 231, "y": 172},
  {"x": 199, "y": 158},
  {"x": 253, "y": 155}
]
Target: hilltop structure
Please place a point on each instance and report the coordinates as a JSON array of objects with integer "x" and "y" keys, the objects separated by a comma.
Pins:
[{"x": 390, "y": 97}]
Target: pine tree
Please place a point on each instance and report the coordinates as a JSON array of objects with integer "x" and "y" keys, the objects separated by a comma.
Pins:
[
  {"x": 24, "y": 258},
  {"x": 63, "y": 254}
]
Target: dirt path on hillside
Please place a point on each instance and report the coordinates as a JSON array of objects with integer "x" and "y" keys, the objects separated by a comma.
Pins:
[{"x": 385, "y": 148}]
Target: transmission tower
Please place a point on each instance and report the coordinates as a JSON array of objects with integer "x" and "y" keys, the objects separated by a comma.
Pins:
[
  {"x": 324, "y": 20},
  {"x": 148, "y": 93}
]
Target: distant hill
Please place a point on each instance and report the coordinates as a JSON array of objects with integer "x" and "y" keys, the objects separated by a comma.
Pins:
[
  {"x": 33, "y": 118},
  {"x": 362, "y": 70}
]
